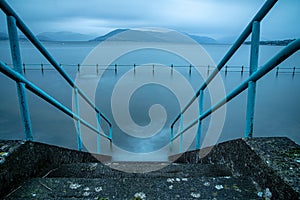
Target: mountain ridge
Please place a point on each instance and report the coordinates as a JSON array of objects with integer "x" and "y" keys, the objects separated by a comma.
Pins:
[
  {"x": 149, "y": 36},
  {"x": 134, "y": 35},
  {"x": 63, "y": 36},
  {"x": 153, "y": 36}
]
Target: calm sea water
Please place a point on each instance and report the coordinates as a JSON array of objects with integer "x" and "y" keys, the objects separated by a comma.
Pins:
[{"x": 277, "y": 111}]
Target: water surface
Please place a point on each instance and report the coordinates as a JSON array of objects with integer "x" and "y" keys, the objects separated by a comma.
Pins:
[{"x": 277, "y": 111}]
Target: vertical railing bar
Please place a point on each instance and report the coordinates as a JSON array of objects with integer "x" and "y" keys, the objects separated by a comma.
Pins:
[
  {"x": 171, "y": 138},
  {"x": 181, "y": 135},
  {"x": 252, "y": 84},
  {"x": 86, "y": 98},
  {"x": 198, "y": 136},
  {"x": 98, "y": 135},
  {"x": 110, "y": 133},
  {"x": 17, "y": 64},
  {"x": 77, "y": 112}
]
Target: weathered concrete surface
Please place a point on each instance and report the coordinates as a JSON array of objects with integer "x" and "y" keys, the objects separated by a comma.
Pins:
[
  {"x": 21, "y": 160},
  {"x": 98, "y": 170},
  {"x": 282, "y": 156},
  {"x": 271, "y": 162},
  {"x": 126, "y": 188},
  {"x": 259, "y": 168},
  {"x": 176, "y": 181}
]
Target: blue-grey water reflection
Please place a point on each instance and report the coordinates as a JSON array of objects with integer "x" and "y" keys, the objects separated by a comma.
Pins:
[{"x": 277, "y": 107}]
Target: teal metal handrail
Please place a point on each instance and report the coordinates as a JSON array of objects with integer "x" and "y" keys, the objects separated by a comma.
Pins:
[
  {"x": 271, "y": 64},
  {"x": 14, "y": 21},
  {"x": 39, "y": 92},
  {"x": 254, "y": 28}
]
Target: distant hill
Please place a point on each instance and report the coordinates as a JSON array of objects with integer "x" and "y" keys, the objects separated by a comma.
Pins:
[
  {"x": 203, "y": 39},
  {"x": 63, "y": 36},
  {"x": 135, "y": 35},
  {"x": 274, "y": 42},
  {"x": 108, "y": 35},
  {"x": 152, "y": 36}
]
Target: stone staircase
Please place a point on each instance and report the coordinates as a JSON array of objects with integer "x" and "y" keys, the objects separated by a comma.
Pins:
[
  {"x": 261, "y": 168},
  {"x": 175, "y": 181}
]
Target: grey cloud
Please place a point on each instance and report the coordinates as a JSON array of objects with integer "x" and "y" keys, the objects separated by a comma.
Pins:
[{"x": 204, "y": 17}]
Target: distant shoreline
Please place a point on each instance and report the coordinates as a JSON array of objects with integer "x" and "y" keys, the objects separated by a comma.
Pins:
[
  {"x": 113, "y": 41},
  {"x": 266, "y": 43},
  {"x": 273, "y": 43}
]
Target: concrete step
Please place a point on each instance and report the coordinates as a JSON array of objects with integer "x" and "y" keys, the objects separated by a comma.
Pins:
[
  {"x": 132, "y": 187},
  {"x": 119, "y": 169},
  {"x": 171, "y": 181},
  {"x": 258, "y": 168}
]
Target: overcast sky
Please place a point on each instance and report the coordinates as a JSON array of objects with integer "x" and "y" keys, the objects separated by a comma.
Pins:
[{"x": 214, "y": 18}]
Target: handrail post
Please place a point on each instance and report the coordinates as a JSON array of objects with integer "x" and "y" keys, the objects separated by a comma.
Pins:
[
  {"x": 98, "y": 135},
  {"x": 252, "y": 84},
  {"x": 77, "y": 112},
  {"x": 171, "y": 138},
  {"x": 198, "y": 137},
  {"x": 110, "y": 133},
  {"x": 17, "y": 63},
  {"x": 181, "y": 134}
]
